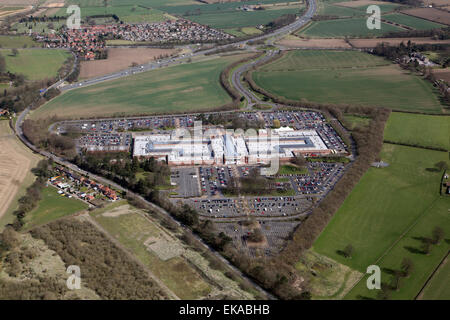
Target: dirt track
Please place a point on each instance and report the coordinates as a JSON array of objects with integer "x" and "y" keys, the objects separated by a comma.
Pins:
[{"x": 119, "y": 59}]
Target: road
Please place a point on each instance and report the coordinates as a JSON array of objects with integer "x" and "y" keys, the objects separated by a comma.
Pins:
[{"x": 301, "y": 21}]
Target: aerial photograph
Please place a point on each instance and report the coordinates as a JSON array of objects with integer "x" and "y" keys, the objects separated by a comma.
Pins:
[{"x": 225, "y": 155}]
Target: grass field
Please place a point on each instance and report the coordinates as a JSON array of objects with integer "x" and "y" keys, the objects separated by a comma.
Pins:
[
  {"x": 35, "y": 64},
  {"x": 341, "y": 28},
  {"x": 15, "y": 176},
  {"x": 346, "y": 77},
  {"x": 413, "y": 22},
  {"x": 187, "y": 87},
  {"x": 439, "y": 286},
  {"x": 417, "y": 129},
  {"x": 133, "y": 230},
  {"x": 16, "y": 41},
  {"x": 53, "y": 206},
  {"x": 392, "y": 204}
]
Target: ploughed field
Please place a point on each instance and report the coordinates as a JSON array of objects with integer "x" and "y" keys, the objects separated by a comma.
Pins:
[{"x": 346, "y": 77}]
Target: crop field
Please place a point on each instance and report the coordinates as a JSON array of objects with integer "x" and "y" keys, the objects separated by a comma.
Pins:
[
  {"x": 15, "y": 175},
  {"x": 16, "y": 41},
  {"x": 413, "y": 22},
  {"x": 35, "y": 64},
  {"x": 119, "y": 59},
  {"x": 418, "y": 129},
  {"x": 439, "y": 286},
  {"x": 53, "y": 206},
  {"x": 396, "y": 203},
  {"x": 186, "y": 87},
  {"x": 341, "y": 28},
  {"x": 351, "y": 77}
]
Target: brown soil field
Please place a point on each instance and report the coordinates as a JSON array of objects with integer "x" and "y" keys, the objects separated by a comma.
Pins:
[
  {"x": 431, "y": 14},
  {"x": 436, "y": 3},
  {"x": 358, "y": 3},
  {"x": 20, "y": 2},
  {"x": 119, "y": 59},
  {"x": 368, "y": 43},
  {"x": 15, "y": 164},
  {"x": 443, "y": 74},
  {"x": 314, "y": 43}
]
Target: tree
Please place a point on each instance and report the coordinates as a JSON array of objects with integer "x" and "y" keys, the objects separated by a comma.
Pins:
[
  {"x": 437, "y": 235},
  {"x": 426, "y": 247},
  {"x": 348, "y": 251},
  {"x": 406, "y": 267},
  {"x": 276, "y": 123},
  {"x": 441, "y": 165},
  {"x": 15, "y": 52}
]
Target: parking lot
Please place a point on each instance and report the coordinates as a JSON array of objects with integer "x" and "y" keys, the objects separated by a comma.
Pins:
[
  {"x": 275, "y": 233},
  {"x": 187, "y": 182}
]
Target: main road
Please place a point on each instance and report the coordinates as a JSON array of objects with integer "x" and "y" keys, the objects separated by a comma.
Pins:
[{"x": 301, "y": 21}]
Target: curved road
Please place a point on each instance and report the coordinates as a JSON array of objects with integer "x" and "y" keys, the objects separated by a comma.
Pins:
[{"x": 301, "y": 21}]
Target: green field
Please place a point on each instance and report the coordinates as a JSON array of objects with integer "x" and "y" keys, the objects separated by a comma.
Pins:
[
  {"x": 410, "y": 246},
  {"x": 439, "y": 286},
  {"x": 38, "y": 27},
  {"x": 346, "y": 77},
  {"x": 413, "y": 22},
  {"x": 397, "y": 203},
  {"x": 35, "y": 64},
  {"x": 186, "y": 87},
  {"x": 240, "y": 18},
  {"x": 16, "y": 42},
  {"x": 53, "y": 206},
  {"x": 333, "y": 10},
  {"x": 417, "y": 129},
  {"x": 132, "y": 230},
  {"x": 341, "y": 28}
]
